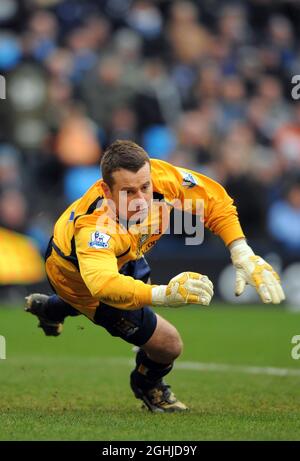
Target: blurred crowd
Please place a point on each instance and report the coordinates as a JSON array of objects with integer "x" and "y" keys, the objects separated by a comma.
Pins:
[{"x": 204, "y": 84}]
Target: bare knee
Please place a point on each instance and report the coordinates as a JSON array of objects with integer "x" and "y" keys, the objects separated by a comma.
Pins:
[
  {"x": 165, "y": 345},
  {"x": 173, "y": 344}
]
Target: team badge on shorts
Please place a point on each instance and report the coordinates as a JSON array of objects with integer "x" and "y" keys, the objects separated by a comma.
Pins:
[{"x": 99, "y": 240}]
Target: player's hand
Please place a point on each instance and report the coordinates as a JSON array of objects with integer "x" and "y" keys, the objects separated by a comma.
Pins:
[
  {"x": 185, "y": 288},
  {"x": 254, "y": 270}
]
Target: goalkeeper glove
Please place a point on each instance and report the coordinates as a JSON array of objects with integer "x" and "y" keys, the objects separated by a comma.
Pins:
[
  {"x": 254, "y": 270},
  {"x": 185, "y": 288}
]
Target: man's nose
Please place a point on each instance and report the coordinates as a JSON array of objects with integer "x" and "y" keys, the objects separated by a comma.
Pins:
[{"x": 140, "y": 195}]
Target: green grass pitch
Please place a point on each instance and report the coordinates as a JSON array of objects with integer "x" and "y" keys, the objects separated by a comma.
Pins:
[{"x": 75, "y": 387}]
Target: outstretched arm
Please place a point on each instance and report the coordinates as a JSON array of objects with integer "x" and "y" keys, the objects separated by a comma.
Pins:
[
  {"x": 99, "y": 270},
  {"x": 220, "y": 217}
]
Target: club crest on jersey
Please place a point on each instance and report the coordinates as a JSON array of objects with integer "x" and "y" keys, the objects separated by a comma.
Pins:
[
  {"x": 189, "y": 180},
  {"x": 99, "y": 240},
  {"x": 143, "y": 238}
]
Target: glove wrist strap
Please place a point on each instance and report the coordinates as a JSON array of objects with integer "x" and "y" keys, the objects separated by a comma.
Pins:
[
  {"x": 159, "y": 295},
  {"x": 240, "y": 248}
]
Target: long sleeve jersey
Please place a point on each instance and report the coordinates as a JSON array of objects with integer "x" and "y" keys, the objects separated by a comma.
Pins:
[{"x": 90, "y": 247}]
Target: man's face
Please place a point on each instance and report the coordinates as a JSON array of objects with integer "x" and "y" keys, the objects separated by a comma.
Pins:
[{"x": 131, "y": 193}]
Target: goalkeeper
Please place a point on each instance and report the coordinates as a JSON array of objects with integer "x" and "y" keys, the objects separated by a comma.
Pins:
[{"x": 96, "y": 266}]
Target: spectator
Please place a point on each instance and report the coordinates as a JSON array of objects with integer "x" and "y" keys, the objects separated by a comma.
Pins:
[
  {"x": 284, "y": 219},
  {"x": 104, "y": 89}
]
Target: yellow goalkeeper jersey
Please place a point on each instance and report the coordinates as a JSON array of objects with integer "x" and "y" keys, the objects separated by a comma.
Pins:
[{"x": 90, "y": 248}]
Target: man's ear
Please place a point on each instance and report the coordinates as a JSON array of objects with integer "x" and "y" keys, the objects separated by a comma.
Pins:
[{"x": 106, "y": 189}]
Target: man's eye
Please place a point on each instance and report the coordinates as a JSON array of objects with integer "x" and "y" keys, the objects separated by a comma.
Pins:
[{"x": 145, "y": 187}]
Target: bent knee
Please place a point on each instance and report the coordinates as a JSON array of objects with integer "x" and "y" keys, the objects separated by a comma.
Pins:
[
  {"x": 173, "y": 344},
  {"x": 165, "y": 343}
]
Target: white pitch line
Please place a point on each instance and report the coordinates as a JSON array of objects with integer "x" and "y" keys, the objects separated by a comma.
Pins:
[
  {"x": 226, "y": 368},
  {"x": 223, "y": 368},
  {"x": 180, "y": 365}
]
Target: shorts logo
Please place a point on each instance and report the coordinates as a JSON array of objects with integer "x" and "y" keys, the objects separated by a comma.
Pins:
[
  {"x": 126, "y": 327},
  {"x": 99, "y": 240},
  {"x": 189, "y": 180}
]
